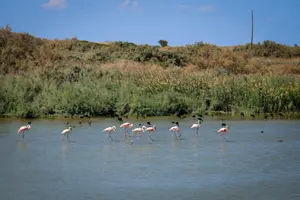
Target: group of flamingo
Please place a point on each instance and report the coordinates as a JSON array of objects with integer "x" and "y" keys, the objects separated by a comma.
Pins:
[
  {"x": 134, "y": 132},
  {"x": 138, "y": 131}
]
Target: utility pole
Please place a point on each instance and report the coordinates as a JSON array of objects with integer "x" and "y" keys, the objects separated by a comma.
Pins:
[{"x": 252, "y": 29}]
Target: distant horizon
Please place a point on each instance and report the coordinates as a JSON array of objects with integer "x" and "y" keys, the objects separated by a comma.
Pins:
[
  {"x": 180, "y": 22},
  {"x": 104, "y": 42}
]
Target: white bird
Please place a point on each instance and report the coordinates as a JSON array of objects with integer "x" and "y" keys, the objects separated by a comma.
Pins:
[
  {"x": 175, "y": 129},
  {"x": 196, "y": 126},
  {"x": 109, "y": 130},
  {"x": 223, "y": 131},
  {"x": 125, "y": 126},
  {"x": 151, "y": 130},
  {"x": 139, "y": 130},
  {"x": 23, "y": 129},
  {"x": 67, "y": 132}
]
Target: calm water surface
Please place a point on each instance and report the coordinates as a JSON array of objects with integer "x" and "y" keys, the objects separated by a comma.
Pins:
[{"x": 252, "y": 165}]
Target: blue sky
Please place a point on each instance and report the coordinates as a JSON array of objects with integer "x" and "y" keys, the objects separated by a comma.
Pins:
[{"x": 221, "y": 22}]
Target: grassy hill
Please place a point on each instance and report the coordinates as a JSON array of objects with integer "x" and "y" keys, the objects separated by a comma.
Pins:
[{"x": 41, "y": 77}]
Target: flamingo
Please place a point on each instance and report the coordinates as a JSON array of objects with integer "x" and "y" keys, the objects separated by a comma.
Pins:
[
  {"x": 108, "y": 130},
  {"x": 139, "y": 130},
  {"x": 175, "y": 129},
  {"x": 150, "y": 130},
  {"x": 124, "y": 126},
  {"x": 197, "y": 126},
  {"x": 67, "y": 132},
  {"x": 23, "y": 129},
  {"x": 223, "y": 130}
]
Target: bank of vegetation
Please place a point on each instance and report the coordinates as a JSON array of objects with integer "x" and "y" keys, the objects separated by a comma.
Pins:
[{"x": 40, "y": 77}]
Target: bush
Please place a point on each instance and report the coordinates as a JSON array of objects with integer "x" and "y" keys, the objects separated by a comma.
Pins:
[
  {"x": 163, "y": 43},
  {"x": 41, "y": 77}
]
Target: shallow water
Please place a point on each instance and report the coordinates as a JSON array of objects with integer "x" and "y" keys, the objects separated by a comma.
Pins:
[{"x": 251, "y": 165}]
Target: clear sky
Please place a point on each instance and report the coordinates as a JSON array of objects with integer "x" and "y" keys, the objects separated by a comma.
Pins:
[{"x": 181, "y": 22}]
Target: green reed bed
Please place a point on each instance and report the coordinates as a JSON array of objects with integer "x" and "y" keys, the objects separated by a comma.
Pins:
[
  {"x": 145, "y": 92},
  {"x": 40, "y": 77}
]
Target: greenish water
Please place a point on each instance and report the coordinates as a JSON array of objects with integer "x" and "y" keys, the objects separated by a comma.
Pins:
[{"x": 252, "y": 165}]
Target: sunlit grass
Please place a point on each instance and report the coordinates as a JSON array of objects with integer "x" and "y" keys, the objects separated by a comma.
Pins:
[
  {"x": 42, "y": 77},
  {"x": 149, "y": 91}
]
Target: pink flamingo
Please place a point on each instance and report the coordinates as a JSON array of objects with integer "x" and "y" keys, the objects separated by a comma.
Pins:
[
  {"x": 196, "y": 126},
  {"x": 23, "y": 129},
  {"x": 67, "y": 132},
  {"x": 223, "y": 130},
  {"x": 175, "y": 129},
  {"x": 151, "y": 130},
  {"x": 108, "y": 130},
  {"x": 139, "y": 130},
  {"x": 125, "y": 126}
]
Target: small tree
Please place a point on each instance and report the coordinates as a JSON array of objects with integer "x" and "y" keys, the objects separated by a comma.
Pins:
[{"x": 163, "y": 43}]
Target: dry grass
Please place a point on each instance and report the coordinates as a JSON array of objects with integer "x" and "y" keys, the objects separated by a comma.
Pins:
[{"x": 71, "y": 77}]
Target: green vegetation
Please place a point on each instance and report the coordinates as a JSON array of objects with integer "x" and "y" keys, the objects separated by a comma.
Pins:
[
  {"x": 163, "y": 43},
  {"x": 40, "y": 77}
]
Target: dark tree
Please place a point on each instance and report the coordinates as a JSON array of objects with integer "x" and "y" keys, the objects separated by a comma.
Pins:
[{"x": 163, "y": 43}]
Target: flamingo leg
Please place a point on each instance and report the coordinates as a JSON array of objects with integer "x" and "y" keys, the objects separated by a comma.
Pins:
[
  {"x": 68, "y": 137},
  {"x": 174, "y": 134},
  {"x": 151, "y": 138},
  {"x": 64, "y": 137},
  {"x": 197, "y": 131},
  {"x": 179, "y": 134},
  {"x": 131, "y": 141},
  {"x": 23, "y": 134},
  {"x": 110, "y": 136},
  {"x": 224, "y": 136},
  {"x": 125, "y": 135}
]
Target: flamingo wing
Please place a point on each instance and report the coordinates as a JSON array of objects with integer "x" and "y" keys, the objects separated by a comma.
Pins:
[
  {"x": 65, "y": 131},
  {"x": 22, "y": 128},
  {"x": 222, "y": 130},
  {"x": 174, "y": 128},
  {"x": 195, "y": 126},
  {"x": 137, "y": 130},
  {"x": 150, "y": 129},
  {"x": 124, "y": 124},
  {"x": 107, "y": 129}
]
